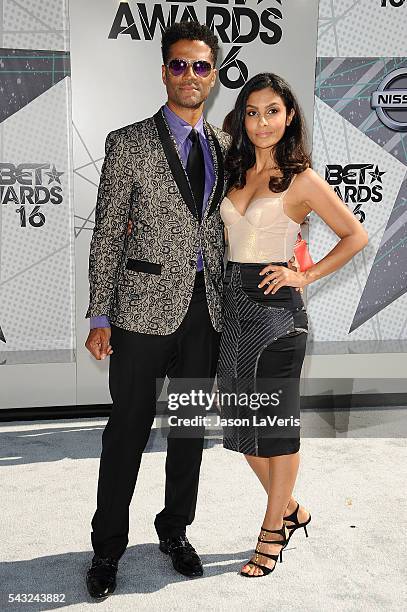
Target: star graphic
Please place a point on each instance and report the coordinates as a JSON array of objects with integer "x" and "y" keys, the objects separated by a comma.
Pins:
[
  {"x": 376, "y": 175},
  {"x": 54, "y": 175}
]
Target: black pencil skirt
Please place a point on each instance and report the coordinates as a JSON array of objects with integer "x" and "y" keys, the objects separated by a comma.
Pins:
[{"x": 261, "y": 355}]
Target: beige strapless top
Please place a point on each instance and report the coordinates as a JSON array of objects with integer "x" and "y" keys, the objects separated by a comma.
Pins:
[{"x": 263, "y": 234}]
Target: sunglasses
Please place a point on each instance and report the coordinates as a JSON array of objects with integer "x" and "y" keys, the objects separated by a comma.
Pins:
[{"x": 201, "y": 68}]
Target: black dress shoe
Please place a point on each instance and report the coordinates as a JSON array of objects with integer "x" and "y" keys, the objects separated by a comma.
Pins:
[
  {"x": 184, "y": 557},
  {"x": 101, "y": 577}
]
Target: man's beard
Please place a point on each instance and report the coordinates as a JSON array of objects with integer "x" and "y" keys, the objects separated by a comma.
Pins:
[{"x": 191, "y": 103}]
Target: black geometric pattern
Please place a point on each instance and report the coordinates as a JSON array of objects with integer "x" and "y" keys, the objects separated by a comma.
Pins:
[{"x": 387, "y": 279}]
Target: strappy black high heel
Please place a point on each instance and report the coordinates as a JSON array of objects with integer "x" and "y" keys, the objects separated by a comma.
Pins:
[
  {"x": 293, "y": 517},
  {"x": 267, "y": 570}
]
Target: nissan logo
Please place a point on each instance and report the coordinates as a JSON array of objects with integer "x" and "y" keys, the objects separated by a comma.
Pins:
[{"x": 390, "y": 102}]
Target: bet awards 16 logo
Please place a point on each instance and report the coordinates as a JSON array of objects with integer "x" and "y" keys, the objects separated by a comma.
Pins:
[
  {"x": 231, "y": 20},
  {"x": 30, "y": 186},
  {"x": 356, "y": 184}
]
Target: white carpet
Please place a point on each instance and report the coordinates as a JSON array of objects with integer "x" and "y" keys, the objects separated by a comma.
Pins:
[{"x": 354, "y": 558}]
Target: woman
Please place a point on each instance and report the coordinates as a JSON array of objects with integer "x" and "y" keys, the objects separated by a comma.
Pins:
[{"x": 272, "y": 189}]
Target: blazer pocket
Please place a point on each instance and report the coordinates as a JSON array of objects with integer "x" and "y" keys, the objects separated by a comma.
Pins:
[{"x": 138, "y": 265}]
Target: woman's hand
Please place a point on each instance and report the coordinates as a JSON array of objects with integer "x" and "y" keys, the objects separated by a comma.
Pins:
[{"x": 280, "y": 276}]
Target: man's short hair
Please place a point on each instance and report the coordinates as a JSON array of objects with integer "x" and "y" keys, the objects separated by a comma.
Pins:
[{"x": 188, "y": 30}]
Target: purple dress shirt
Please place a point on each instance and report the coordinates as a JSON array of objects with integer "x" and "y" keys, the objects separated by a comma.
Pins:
[{"x": 180, "y": 130}]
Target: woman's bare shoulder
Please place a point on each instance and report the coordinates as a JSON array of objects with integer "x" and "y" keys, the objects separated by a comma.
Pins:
[
  {"x": 309, "y": 177},
  {"x": 309, "y": 184}
]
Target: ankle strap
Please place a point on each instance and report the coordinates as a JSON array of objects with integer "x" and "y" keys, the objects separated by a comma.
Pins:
[
  {"x": 293, "y": 516},
  {"x": 282, "y": 542},
  {"x": 281, "y": 531}
]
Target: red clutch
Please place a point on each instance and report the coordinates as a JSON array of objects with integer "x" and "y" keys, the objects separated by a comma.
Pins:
[{"x": 302, "y": 254}]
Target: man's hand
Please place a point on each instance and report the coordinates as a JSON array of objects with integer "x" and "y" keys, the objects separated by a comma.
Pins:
[
  {"x": 98, "y": 342},
  {"x": 293, "y": 265}
]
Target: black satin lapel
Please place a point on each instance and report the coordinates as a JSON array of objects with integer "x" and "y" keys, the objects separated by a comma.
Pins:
[
  {"x": 217, "y": 191},
  {"x": 174, "y": 162}
]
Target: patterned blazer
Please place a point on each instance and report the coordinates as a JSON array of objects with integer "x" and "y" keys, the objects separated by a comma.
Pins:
[{"x": 144, "y": 281}]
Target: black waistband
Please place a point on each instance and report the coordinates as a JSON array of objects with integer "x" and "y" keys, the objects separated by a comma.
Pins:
[{"x": 248, "y": 279}]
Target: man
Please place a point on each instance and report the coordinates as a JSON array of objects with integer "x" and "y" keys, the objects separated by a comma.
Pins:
[{"x": 155, "y": 293}]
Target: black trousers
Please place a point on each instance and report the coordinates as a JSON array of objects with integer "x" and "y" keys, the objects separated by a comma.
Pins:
[{"x": 138, "y": 360}]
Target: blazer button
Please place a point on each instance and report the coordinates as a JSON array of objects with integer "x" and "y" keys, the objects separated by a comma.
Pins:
[{"x": 192, "y": 263}]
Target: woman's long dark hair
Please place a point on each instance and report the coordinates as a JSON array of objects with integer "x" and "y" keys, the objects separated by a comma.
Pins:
[{"x": 290, "y": 152}]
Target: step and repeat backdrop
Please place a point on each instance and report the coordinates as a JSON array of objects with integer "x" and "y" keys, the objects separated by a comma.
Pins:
[
  {"x": 73, "y": 70},
  {"x": 37, "y": 272},
  {"x": 116, "y": 80},
  {"x": 360, "y": 148}
]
